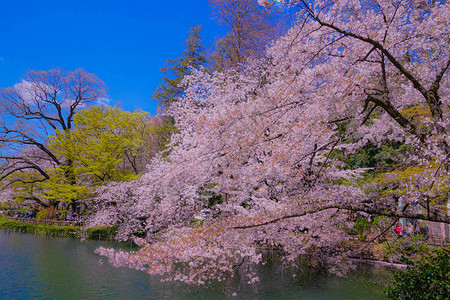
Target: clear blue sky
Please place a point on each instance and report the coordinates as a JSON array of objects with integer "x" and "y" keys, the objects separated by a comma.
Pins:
[{"x": 124, "y": 43}]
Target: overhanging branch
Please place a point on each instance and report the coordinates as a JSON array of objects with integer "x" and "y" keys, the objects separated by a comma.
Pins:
[{"x": 398, "y": 213}]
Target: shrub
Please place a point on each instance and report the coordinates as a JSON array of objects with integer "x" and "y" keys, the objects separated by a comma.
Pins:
[
  {"x": 362, "y": 225},
  {"x": 428, "y": 278},
  {"x": 46, "y": 213},
  {"x": 102, "y": 233}
]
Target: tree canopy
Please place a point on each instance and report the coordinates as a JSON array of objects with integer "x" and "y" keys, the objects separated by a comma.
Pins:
[
  {"x": 43, "y": 103},
  {"x": 271, "y": 138},
  {"x": 57, "y": 146},
  {"x": 193, "y": 57},
  {"x": 105, "y": 144}
]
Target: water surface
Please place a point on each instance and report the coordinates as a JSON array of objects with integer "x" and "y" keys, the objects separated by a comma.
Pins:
[{"x": 35, "y": 267}]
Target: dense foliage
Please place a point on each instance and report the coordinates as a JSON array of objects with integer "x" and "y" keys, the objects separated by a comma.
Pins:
[
  {"x": 176, "y": 69},
  {"x": 103, "y": 233},
  {"x": 428, "y": 278}
]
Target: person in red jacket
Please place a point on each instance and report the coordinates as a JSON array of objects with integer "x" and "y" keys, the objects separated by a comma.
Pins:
[{"x": 399, "y": 229}]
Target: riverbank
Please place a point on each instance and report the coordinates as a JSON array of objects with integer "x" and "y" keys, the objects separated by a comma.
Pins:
[{"x": 97, "y": 233}]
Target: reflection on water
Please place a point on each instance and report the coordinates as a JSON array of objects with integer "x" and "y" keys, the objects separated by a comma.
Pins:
[{"x": 34, "y": 267}]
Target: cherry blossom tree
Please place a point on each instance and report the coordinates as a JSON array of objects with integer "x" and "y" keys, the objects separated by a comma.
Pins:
[{"x": 270, "y": 139}]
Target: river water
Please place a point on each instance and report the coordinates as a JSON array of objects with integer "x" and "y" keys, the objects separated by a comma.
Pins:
[{"x": 35, "y": 267}]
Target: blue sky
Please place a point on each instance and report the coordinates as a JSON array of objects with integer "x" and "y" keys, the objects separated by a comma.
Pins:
[{"x": 124, "y": 43}]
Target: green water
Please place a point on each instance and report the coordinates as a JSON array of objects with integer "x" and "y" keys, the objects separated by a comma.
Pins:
[{"x": 34, "y": 267}]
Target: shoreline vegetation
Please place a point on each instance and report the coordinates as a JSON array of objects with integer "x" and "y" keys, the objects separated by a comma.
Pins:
[{"x": 41, "y": 227}]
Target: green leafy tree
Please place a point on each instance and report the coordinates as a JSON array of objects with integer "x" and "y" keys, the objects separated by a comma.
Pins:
[
  {"x": 193, "y": 57},
  {"x": 43, "y": 103},
  {"x": 106, "y": 144},
  {"x": 111, "y": 142},
  {"x": 58, "y": 189}
]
